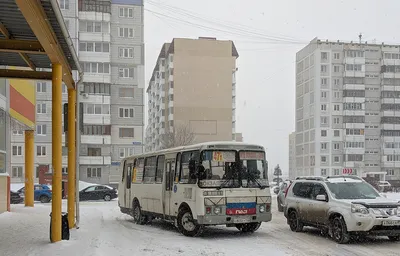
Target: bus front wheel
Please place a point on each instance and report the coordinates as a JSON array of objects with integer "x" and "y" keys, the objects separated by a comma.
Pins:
[{"x": 186, "y": 224}]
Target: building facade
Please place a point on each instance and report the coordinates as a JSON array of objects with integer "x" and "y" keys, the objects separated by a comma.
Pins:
[
  {"x": 292, "y": 156},
  {"x": 193, "y": 89},
  {"x": 347, "y": 109},
  {"x": 108, "y": 36}
]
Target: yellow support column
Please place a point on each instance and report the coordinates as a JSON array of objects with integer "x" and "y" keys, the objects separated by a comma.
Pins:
[
  {"x": 56, "y": 204},
  {"x": 71, "y": 157},
  {"x": 29, "y": 165}
]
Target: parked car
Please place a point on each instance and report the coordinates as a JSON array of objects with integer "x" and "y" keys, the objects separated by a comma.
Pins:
[
  {"x": 41, "y": 193},
  {"x": 98, "y": 192},
  {"x": 16, "y": 198},
  {"x": 341, "y": 206},
  {"x": 281, "y": 194}
]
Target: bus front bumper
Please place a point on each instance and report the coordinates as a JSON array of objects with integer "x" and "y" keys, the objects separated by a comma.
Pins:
[{"x": 233, "y": 219}]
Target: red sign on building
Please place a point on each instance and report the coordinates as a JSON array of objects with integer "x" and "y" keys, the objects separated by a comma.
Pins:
[{"x": 46, "y": 178}]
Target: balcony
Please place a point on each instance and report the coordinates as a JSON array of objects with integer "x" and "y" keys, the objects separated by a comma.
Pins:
[
  {"x": 97, "y": 77},
  {"x": 96, "y": 139},
  {"x": 171, "y": 91},
  {"x": 171, "y": 78},
  {"x": 94, "y": 36},
  {"x": 94, "y": 16},
  {"x": 95, "y": 160},
  {"x": 103, "y": 57},
  {"x": 97, "y": 119},
  {"x": 95, "y": 99}
]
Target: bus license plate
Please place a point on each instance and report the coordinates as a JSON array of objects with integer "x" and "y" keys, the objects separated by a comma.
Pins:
[
  {"x": 391, "y": 223},
  {"x": 242, "y": 219}
]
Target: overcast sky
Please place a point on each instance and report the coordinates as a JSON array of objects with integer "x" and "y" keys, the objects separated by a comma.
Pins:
[{"x": 278, "y": 29}]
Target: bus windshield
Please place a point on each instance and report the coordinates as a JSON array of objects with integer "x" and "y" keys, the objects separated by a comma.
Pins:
[
  {"x": 220, "y": 169},
  {"x": 254, "y": 169}
]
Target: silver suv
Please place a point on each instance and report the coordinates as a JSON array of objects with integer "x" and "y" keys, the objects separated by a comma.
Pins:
[{"x": 341, "y": 206}]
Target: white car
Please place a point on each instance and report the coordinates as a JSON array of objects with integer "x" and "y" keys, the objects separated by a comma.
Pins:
[{"x": 341, "y": 206}]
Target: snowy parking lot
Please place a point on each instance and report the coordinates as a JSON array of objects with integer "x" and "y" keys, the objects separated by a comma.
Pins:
[{"x": 106, "y": 231}]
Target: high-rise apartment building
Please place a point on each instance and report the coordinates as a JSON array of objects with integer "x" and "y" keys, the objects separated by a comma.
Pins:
[
  {"x": 192, "y": 89},
  {"x": 292, "y": 156},
  {"x": 348, "y": 109},
  {"x": 108, "y": 36}
]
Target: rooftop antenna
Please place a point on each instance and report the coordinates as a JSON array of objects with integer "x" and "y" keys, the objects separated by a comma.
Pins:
[{"x": 360, "y": 37}]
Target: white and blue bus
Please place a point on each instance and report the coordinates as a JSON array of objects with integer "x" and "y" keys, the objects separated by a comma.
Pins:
[{"x": 213, "y": 183}]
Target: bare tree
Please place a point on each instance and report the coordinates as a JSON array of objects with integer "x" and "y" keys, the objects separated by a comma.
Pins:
[{"x": 182, "y": 135}]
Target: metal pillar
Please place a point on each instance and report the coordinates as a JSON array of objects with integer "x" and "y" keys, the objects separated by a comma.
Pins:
[
  {"x": 29, "y": 165},
  {"x": 56, "y": 205},
  {"x": 71, "y": 157}
]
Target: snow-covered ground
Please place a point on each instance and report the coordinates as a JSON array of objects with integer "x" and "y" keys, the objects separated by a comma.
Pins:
[
  {"x": 106, "y": 231},
  {"x": 82, "y": 185}
]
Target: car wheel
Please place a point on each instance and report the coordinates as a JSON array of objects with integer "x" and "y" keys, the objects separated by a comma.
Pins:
[
  {"x": 107, "y": 198},
  {"x": 280, "y": 207},
  {"x": 394, "y": 238},
  {"x": 187, "y": 225},
  {"x": 295, "y": 224},
  {"x": 138, "y": 217},
  {"x": 339, "y": 231},
  {"x": 249, "y": 227},
  {"x": 44, "y": 199}
]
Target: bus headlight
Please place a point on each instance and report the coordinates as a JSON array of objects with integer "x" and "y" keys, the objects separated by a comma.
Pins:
[
  {"x": 262, "y": 208},
  {"x": 217, "y": 210}
]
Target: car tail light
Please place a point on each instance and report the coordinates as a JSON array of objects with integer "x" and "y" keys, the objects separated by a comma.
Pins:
[{"x": 287, "y": 189}]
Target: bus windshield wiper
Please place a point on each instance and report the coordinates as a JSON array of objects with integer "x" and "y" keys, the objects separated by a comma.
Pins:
[
  {"x": 225, "y": 183},
  {"x": 254, "y": 179}
]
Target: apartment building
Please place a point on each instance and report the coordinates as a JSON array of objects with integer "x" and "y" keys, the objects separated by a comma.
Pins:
[
  {"x": 348, "y": 109},
  {"x": 108, "y": 36},
  {"x": 193, "y": 86},
  {"x": 292, "y": 156}
]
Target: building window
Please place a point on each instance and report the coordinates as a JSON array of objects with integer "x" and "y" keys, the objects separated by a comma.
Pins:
[
  {"x": 336, "y": 68},
  {"x": 41, "y": 87},
  {"x": 336, "y": 159},
  {"x": 94, "y": 151},
  {"x": 17, "y": 150},
  {"x": 126, "y": 92},
  {"x": 324, "y": 55},
  {"x": 354, "y": 53},
  {"x": 94, "y": 46},
  {"x": 390, "y": 172},
  {"x": 93, "y": 172},
  {"x": 336, "y": 171},
  {"x": 324, "y": 146},
  {"x": 94, "y": 6},
  {"x": 17, "y": 172},
  {"x": 336, "y": 120},
  {"x": 323, "y": 172},
  {"x": 96, "y": 109},
  {"x": 97, "y": 129},
  {"x": 126, "y": 32},
  {"x": 96, "y": 67},
  {"x": 97, "y": 88},
  {"x": 324, "y": 120},
  {"x": 126, "y": 72},
  {"x": 336, "y": 146},
  {"x": 353, "y": 67},
  {"x": 336, "y": 95},
  {"x": 323, "y": 133},
  {"x": 126, "y": 132},
  {"x": 126, "y": 152},
  {"x": 41, "y": 108},
  {"x": 336, "y": 55},
  {"x": 126, "y": 112},
  {"x": 125, "y": 52},
  {"x": 323, "y": 159},
  {"x": 336, "y": 81},
  {"x": 323, "y": 107},
  {"x": 41, "y": 129},
  {"x": 324, "y": 68},
  {"x": 323, "y": 94},
  {"x": 64, "y": 4},
  {"x": 324, "y": 81},
  {"x": 93, "y": 26},
  {"x": 336, "y": 133},
  {"x": 18, "y": 133},
  {"x": 41, "y": 150},
  {"x": 125, "y": 12},
  {"x": 336, "y": 107}
]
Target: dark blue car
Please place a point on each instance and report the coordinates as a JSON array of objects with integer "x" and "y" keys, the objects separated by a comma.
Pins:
[{"x": 42, "y": 193}]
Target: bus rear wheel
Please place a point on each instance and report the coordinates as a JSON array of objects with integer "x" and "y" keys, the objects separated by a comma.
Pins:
[
  {"x": 137, "y": 215},
  {"x": 187, "y": 225}
]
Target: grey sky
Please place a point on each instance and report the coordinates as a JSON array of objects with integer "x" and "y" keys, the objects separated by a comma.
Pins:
[{"x": 266, "y": 80}]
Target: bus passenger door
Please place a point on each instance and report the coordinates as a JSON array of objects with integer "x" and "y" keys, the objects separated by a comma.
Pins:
[
  {"x": 128, "y": 185},
  {"x": 169, "y": 183}
]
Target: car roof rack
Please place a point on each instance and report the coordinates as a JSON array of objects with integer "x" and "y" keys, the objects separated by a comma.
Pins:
[
  {"x": 345, "y": 176},
  {"x": 310, "y": 178}
]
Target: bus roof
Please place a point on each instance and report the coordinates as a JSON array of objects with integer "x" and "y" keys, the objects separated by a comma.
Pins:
[{"x": 205, "y": 145}]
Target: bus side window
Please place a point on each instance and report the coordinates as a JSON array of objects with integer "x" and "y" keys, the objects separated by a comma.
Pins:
[
  {"x": 177, "y": 167},
  {"x": 150, "y": 169},
  {"x": 160, "y": 169},
  {"x": 128, "y": 171},
  {"x": 185, "y": 172}
]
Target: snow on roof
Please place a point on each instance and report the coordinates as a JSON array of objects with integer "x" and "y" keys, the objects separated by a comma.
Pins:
[{"x": 343, "y": 180}]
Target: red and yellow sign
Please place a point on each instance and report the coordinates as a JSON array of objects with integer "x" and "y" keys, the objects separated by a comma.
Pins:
[{"x": 23, "y": 101}]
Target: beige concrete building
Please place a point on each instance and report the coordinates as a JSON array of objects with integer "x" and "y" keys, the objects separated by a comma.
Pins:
[
  {"x": 292, "y": 155},
  {"x": 192, "y": 93}
]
